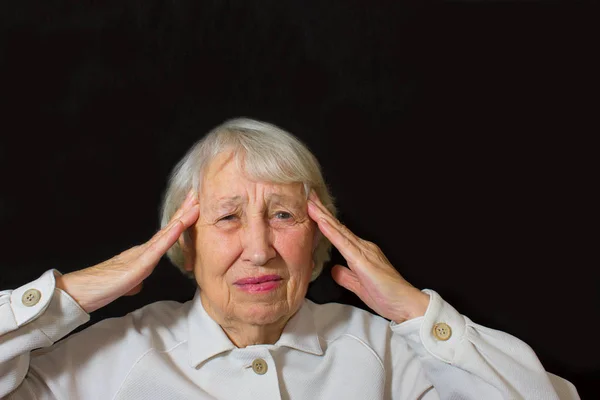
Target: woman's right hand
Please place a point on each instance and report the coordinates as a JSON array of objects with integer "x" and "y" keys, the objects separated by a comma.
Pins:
[{"x": 97, "y": 286}]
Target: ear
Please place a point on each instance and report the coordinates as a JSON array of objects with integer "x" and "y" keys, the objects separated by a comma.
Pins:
[
  {"x": 188, "y": 250},
  {"x": 316, "y": 239}
]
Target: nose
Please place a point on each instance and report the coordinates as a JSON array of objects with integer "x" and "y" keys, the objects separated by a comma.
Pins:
[{"x": 257, "y": 242}]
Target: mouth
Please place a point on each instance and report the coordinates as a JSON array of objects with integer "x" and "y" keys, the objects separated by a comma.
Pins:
[{"x": 257, "y": 284}]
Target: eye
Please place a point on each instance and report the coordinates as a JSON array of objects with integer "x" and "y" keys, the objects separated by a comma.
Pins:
[
  {"x": 283, "y": 215},
  {"x": 230, "y": 217}
]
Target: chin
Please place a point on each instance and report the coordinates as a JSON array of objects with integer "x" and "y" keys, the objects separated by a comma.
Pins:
[{"x": 265, "y": 313}]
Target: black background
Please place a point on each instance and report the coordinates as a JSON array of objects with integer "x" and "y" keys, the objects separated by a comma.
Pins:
[{"x": 455, "y": 135}]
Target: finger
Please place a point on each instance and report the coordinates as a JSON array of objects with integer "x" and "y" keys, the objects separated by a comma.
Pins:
[
  {"x": 316, "y": 201},
  {"x": 317, "y": 211},
  {"x": 162, "y": 232},
  {"x": 346, "y": 278},
  {"x": 190, "y": 200},
  {"x": 190, "y": 216},
  {"x": 156, "y": 249},
  {"x": 345, "y": 241},
  {"x": 347, "y": 247},
  {"x": 161, "y": 242},
  {"x": 187, "y": 219},
  {"x": 187, "y": 214}
]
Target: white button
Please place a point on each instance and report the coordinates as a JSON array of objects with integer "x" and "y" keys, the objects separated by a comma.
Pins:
[
  {"x": 442, "y": 331},
  {"x": 259, "y": 366},
  {"x": 31, "y": 297}
]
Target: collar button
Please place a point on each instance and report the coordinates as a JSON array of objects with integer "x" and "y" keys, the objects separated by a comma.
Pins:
[{"x": 259, "y": 366}]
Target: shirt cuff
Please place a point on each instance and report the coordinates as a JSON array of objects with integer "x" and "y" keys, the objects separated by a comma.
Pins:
[
  {"x": 30, "y": 300},
  {"x": 49, "y": 308},
  {"x": 439, "y": 331}
]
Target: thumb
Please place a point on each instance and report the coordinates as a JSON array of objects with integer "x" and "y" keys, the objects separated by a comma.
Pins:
[
  {"x": 346, "y": 278},
  {"x": 135, "y": 290}
]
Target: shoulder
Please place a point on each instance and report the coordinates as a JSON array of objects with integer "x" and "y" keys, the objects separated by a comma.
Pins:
[
  {"x": 335, "y": 320},
  {"x": 167, "y": 319},
  {"x": 159, "y": 325},
  {"x": 110, "y": 349}
]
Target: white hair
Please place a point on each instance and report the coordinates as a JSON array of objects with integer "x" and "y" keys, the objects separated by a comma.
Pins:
[{"x": 267, "y": 153}]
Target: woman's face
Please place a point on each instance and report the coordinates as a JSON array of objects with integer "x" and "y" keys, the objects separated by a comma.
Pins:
[{"x": 252, "y": 246}]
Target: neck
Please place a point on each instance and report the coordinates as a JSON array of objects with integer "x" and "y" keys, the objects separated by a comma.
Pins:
[{"x": 243, "y": 334}]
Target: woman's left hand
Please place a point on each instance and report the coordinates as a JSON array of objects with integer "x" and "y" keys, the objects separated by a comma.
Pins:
[{"x": 369, "y": 274}]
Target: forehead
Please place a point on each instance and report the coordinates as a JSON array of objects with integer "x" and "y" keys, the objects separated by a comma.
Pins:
[{"x": 224, "y": 181}]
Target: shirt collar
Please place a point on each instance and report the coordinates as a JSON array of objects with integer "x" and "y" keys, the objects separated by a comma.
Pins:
[{"x": 206, "y": 339}]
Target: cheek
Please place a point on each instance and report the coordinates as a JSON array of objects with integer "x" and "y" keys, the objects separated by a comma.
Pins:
[
  {"x": 215, "y": 253},
  {"x": 295, "y": 248}
]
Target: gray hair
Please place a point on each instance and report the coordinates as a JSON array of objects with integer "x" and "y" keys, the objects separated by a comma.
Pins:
[{"x": 267, "y": 153}]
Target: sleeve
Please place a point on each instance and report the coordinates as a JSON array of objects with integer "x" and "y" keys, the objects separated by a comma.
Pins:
[
  {"x": 464, "y": 360},
  {"x": 33, "y": 316}
]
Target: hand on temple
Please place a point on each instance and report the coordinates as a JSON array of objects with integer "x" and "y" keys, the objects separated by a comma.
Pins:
[
  {"x": 369, "y": 274},
  {"x": 99, "y": 285}
]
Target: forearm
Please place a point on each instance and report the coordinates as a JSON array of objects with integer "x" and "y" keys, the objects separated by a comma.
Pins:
[
  {"x": 83, "y": 290},
  {"x": 462, "y": 357},
  {"x": 29, "y": 321},
  {"x": 415, "y": 306}
]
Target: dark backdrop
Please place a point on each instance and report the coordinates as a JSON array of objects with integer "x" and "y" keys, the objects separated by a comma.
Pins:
[{"x": 456, "y": 136}]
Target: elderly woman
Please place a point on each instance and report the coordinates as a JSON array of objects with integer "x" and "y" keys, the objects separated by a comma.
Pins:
[{"x": 248, "y": 216}]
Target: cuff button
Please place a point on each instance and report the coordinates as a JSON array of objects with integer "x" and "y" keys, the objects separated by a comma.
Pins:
[
  {"x": 442, "y": 331},
  {"x": 31, "y": 297}
]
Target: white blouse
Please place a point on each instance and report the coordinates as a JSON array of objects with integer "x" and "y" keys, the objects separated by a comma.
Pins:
[{"x": 171, "y": 351}]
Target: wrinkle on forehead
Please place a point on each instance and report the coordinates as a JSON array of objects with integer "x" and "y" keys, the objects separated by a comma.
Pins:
[
  {"x": 270, "y": 199},
  {"x": 229, "y": 200},
  {"x": 222, "y": 189}
]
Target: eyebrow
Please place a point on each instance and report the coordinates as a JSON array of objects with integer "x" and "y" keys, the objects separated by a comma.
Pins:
[
  {"x": 226, "y": 202},
  {"x": 285, "y": 199},
  {"x": 232, "y": 201}
]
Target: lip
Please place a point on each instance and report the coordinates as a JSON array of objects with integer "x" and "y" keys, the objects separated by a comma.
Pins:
[
  {"x": 259, "y": 284},
  {"x": 257, "y": 279}
]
